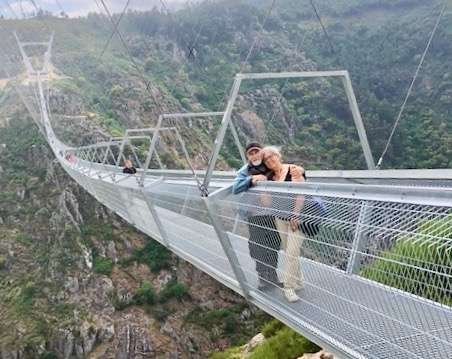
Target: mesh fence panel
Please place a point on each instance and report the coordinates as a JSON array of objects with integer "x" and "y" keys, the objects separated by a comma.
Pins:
[
  {"x": 371, "y": 276},
  {"x": 377, "y": 271}
]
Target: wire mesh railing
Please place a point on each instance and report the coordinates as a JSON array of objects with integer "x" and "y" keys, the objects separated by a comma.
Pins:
[{"x": 370, "y": 265}]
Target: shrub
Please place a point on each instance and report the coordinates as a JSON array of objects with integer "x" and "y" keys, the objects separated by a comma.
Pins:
[
  {"x": 417, "y": 266},
  {"x": 3, "y": 262},
  {"x": 118, "y": 302},
  {"x": 26, "y": 299},
  {"x": 48, "y": 355},
  {"x": 160, "y": 313},
  {"x": 156, "y": 256},
  {"x": 271, "y": 328},
  {"x": 102, "y": 231},
  {"x": 233, "y": 353},
  {"x": 24, "y": 239},
  {"x": 103, "y": 265},
  {"x": 173, "y": 290},
  {"x": 145, "y": 295},
  {"x": 284, "y": 344}
]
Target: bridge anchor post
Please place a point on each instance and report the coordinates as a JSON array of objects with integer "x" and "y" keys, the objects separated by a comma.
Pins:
[
  {"x": 226, "y": 243},
  {"x": 156, "y": 218},
  {"x": 354, "y": 262}
]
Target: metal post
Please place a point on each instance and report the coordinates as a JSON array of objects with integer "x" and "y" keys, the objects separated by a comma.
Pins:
[
  {"x": 151, "y": 149},
  {"x": 354, "y": 262},
  {"x": 156, "y": 218},
  {"x": 184, "y": 150},
  {"x": 159, "y": 161},
  {"x": 91, "y": 161},
  {"x": 135, "y": 155},
  {"x": 222, "y": 131},
  {"x": 121, "y": 150},
  {"x": 358, "y": 121},
  {"x": 25, "y": 58},
  {"x": 107, "y": 152},
  {"x": 226, "y": 243},
  {"x": 344, "y": 75},
  {"x": 185, "y": 201},
  {"x": 237, "y": 142}
]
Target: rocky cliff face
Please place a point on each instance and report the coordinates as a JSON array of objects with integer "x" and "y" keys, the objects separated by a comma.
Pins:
[{"x": 70, "y": 273}]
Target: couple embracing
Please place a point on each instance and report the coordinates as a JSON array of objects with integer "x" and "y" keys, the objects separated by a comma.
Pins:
[{"x": 272, "y": 229}]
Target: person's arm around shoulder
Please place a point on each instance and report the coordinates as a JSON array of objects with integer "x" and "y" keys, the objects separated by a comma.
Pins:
[{"x": 297, "y": 173}]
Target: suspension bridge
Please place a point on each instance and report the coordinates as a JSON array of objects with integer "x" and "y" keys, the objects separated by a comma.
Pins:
[
  {"x": 377, "y": 275},
  {"x": 377, "y": 282}
]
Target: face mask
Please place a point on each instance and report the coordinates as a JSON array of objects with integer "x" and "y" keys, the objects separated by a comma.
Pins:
[{"x": 256, "y": 163}]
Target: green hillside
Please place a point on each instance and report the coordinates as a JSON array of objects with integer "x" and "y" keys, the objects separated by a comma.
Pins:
[{"x": 378, "y": 42}]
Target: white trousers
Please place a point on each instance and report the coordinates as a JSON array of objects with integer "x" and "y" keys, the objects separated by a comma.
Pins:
[{"x": 291, "y": 242}]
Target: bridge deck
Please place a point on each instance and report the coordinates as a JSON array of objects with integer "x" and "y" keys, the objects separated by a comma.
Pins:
[
  {"x": 371, "y": 319},
  {"x": 347, "y": 314}
]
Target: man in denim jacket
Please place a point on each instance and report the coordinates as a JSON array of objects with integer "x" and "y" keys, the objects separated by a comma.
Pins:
[{"x": 264, "y": 241}]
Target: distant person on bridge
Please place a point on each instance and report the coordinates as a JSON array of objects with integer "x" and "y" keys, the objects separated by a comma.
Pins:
[
  {"x": 128, "y": 168},
  {"x": 287, "y": 220},
  {"x": 264, "y": 241}
]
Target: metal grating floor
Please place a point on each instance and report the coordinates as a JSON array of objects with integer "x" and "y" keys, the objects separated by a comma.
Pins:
[
  {"x": 363, "y": 318},
  {"x": 372, "y": 319}
]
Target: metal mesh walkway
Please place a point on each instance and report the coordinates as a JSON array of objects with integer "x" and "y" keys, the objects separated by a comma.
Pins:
[{"x": 346, "y": 308}]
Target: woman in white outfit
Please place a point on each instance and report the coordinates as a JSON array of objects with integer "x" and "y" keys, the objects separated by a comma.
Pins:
[{"x": 288, "y": 222}]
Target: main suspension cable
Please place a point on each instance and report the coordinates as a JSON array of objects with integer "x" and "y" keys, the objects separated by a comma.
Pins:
[
  {"x": 129, "y": 54},
  {"x": 115, "y": 29},
  {"x": 410, "y": 88},
  {"x": 258, "y": 35},
  {"x": 319, "y": 19}
]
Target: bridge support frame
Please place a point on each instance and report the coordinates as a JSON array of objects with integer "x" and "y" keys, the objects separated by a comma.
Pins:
[
  {"x": 156, "y": 218},
  {"x": 354, "y": 261},
  {"x": 183, "y": 116},
  {"x": 225, "y": 240},
  {"x": 353, "y": 104}
]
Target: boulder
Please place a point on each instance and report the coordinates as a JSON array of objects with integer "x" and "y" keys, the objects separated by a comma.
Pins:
[
  {"x": 257, "y": 340},
  {"x": 320, "y": 355}
]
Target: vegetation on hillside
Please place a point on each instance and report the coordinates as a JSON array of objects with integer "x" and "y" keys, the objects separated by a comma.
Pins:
[
  {"x": 420, "y": 264},
  {"x": 378, "y": 41},
  {"x": 280, "y": 342}
]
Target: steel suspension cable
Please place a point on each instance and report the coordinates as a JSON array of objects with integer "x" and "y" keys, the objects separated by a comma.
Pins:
[
  {"x": 257, "y": 37},
  {"x": 247, "y": 58},
  {"x": 60, "y": 6},
  {"x": 115, "y": 29},
  {"x": 201, "y": 188},
  {"x": 191, "y": 46},
  {"x": 410, "y": 88},
  {"x": 250, "y": 50},
  {"x": 319, "y": 19},
  {"x": 11, "y": 10},
  {"x": 286, "y": 82},
  {"x": 129, "y": 54}
]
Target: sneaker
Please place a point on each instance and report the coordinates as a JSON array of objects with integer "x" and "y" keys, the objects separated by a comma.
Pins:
[{"x": 290, "y": 295}]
